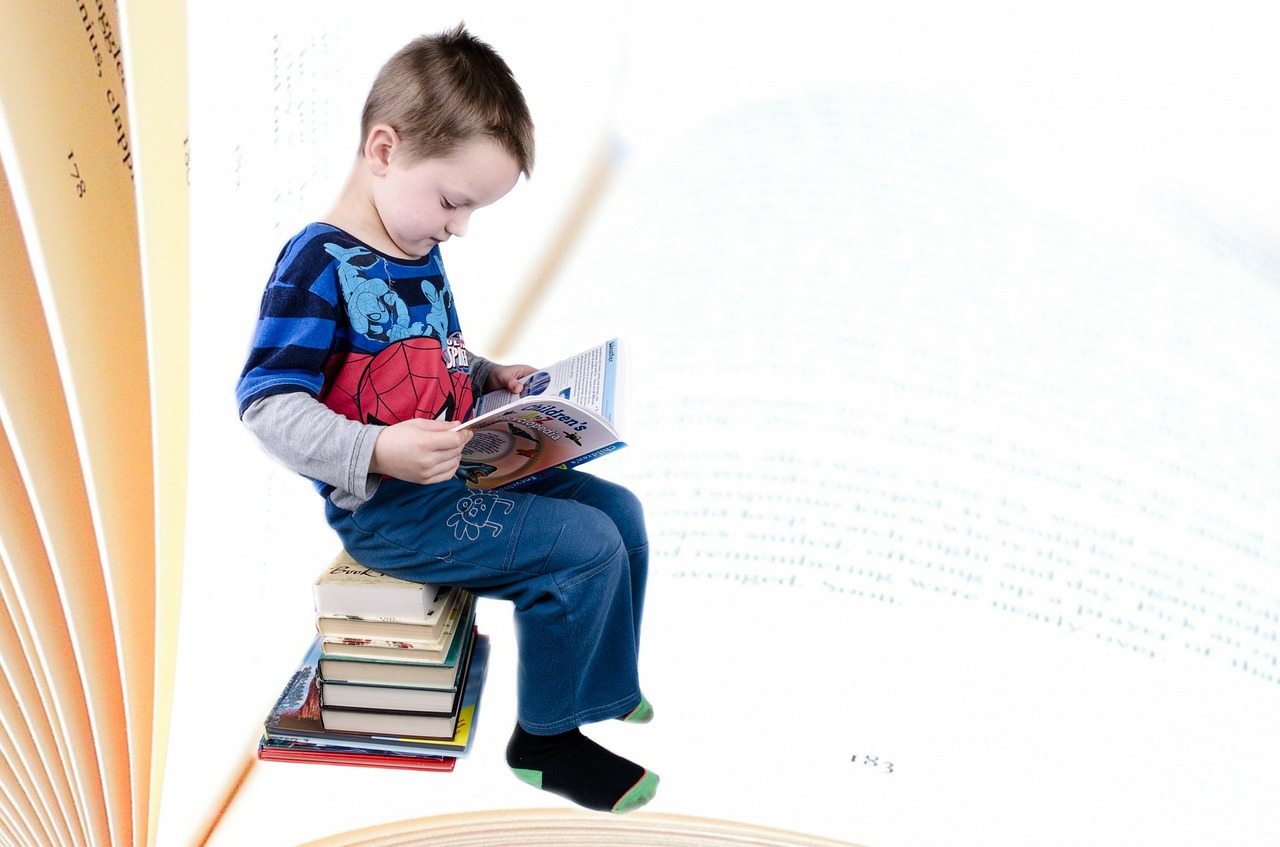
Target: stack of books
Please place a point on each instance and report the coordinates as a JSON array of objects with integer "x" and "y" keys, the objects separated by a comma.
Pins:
[{"x": 392, "y": 678}]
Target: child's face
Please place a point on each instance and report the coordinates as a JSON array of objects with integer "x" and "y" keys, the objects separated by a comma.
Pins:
[{"x": 423, "y": 203}]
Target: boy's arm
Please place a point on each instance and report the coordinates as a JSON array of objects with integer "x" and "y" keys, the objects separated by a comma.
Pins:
[{"x": 309, "y": 438}]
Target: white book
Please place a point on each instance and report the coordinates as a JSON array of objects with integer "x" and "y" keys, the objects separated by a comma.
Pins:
[{"x": 348, "y": 589}]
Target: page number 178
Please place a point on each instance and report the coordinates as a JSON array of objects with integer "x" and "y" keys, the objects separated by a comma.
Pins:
[{"x": 74, "y": 172}]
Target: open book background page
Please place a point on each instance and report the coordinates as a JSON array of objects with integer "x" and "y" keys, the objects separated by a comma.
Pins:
[
  {"x": 31, "y": 593},
  {"x": 77, "y": 210},
  {"x": 1011, "y": 473},
  {"x": 934, "y": 463},
  {"x": 1037, "y": 690},
  {"x": 155, "y": 53}
]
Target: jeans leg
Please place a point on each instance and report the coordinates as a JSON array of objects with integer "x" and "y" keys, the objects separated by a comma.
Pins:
[
  {"x": 562, "y": 564},
  {"x": 623, "y": 508}
]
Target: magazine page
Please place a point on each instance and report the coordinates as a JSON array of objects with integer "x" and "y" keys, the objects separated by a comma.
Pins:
[
  {"x": 565, "y": 416},
  {"x": 590, "y": 379},
  {"x": 528, "y": 437}
]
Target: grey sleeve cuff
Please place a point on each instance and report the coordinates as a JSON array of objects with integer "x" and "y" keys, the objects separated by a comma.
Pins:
[
  {"x": 480, "y": 367},
  {"x": 308, "y": 437}
]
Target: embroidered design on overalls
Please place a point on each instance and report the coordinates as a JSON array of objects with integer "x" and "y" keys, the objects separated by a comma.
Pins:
[{"x": 477, "y": 512}]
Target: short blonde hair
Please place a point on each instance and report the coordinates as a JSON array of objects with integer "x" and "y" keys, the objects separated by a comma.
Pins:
[{"x": 441, "y": 90}]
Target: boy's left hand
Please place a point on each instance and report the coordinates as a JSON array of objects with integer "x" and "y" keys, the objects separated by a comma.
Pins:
[{"x": 507, "y": 377}]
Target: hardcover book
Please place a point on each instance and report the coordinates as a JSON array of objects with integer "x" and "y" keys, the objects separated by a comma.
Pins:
[
  {"x": 276, "y": 750},
  {"x": 344, "y": 631},
  {"x": 429, "y": 656},
  {"x": 348, "y": 589},
  {"x": 441, "y": 674}
]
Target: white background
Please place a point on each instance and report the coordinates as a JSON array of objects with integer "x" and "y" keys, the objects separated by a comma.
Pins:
[{"x": 1098, "y": 108}]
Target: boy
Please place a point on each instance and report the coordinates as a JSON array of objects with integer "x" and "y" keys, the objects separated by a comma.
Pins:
[{"x": 358, "y": 373}]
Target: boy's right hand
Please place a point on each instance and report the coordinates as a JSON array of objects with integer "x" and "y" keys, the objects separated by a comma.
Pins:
[{"x": 419, "y": 450}]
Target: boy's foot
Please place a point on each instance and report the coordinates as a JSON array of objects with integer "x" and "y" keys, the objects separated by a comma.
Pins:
[
  {"x": 575, "y": 767},
  {"x": 640, "y": 714}
]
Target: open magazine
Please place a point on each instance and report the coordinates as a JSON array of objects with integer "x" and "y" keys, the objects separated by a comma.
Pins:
[{"x": 565, "y": 415}]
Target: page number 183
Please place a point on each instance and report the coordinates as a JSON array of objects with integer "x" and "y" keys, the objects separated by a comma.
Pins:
[{"x": 876, "y": 763}]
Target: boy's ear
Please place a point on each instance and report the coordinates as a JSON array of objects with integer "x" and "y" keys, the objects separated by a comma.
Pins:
[{"x": 378, "y": 147}]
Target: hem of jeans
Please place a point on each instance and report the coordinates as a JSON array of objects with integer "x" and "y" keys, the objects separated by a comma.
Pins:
[{"x": 605, "y": 712}]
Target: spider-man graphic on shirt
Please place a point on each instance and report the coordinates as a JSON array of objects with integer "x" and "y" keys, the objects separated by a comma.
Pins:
[{"x": 406, "y": 358}]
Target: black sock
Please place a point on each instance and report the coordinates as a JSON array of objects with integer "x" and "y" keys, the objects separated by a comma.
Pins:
[{"x": 575, "y": 767}]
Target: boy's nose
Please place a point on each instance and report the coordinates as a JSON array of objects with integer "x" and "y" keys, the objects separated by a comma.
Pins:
[{"x": 457, "y": 225}]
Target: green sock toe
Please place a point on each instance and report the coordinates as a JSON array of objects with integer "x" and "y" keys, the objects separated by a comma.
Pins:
[
  {"x": 640, "y": 714},
  {"x": 532, "y": 777},
  {"x": 640, "y": 794}
]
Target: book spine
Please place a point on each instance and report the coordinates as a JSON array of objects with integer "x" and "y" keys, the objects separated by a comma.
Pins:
[
  {"x": 339, "y": 614},
  {"x": 335, "y": 629},
  {"x": 372, "y": 652},
  {"x": 610, "y": 380},
  {"x": 332, "y": 697},
  {"x": 436, "y": 647}
]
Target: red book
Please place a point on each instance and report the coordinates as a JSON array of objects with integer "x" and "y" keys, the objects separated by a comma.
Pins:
[{"x": 270, "y": 751}]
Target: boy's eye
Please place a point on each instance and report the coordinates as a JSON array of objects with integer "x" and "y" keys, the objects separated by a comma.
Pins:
[{"x": 445, "y": 203}]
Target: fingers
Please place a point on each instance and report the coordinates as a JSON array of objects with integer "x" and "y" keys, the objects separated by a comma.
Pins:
[
  {"x": 419, "y": 450},
  {"x": 439, "y": 473}
]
